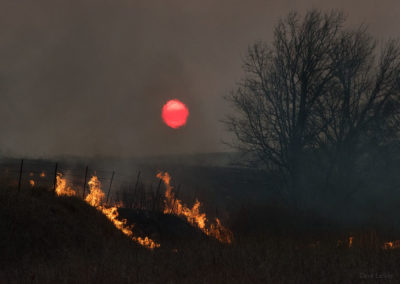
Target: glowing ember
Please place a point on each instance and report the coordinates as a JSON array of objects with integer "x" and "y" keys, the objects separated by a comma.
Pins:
[
  {"x": 351, "y": 241},
  {"x": 96, "y": 199},
  {"x": 175, "y": 113},
  {"x": 32, "y": 182},
  {"x": 62, "y": 188},
  {"x": 392, "y": 245},
  {"x": 42, "y": 174},
  {"x": 193, "y": 216}
]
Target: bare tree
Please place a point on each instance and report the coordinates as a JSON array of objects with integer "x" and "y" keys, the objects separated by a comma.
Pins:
[
  {"x": 317, "y": 87},
  {"x": 361, "y": 109},
  {"x": 283, "y": 83}
]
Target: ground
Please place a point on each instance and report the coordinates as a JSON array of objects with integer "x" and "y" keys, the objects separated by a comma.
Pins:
[{"x": 49, "y": 239}]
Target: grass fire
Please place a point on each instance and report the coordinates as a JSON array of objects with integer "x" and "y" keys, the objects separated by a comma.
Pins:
[
  {"x": 174, "y": 234},
  {"x": 199, "y": 141},
  {"x": 193, "y": 215},
  {"x": 96, "y": 198}
]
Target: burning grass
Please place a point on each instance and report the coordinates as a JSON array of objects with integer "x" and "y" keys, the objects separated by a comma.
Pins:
[
  {"x": 392, "y": 245},
  {"x": 62, "y": 189},
  {"x": 175, "y": 206},
  {"x": 64, "y": 240},
  {"x": 48, "y": 239},
  {"x": 96, "y": 199}
]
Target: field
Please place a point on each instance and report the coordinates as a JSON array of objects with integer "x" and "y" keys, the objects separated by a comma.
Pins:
[{"x": 45, "y": 238}]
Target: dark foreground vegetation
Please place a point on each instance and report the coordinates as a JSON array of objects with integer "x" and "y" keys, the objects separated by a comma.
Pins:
[{"x": 48, "y": 239}]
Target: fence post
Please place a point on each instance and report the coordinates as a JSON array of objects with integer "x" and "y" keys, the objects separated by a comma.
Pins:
[
  {"x": 137, "y": 180},
  {"x": 55, "y": 179},
  {"x": 20, "y": 175},
  {"x": 84, "y": 184},
  {"x": 109, "y": 189}
]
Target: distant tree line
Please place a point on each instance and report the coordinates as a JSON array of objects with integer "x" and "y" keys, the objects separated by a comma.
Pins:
[{"x": 320, "y": 106}]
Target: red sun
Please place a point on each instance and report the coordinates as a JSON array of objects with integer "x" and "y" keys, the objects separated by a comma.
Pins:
[{"x": 175, "y": 113}]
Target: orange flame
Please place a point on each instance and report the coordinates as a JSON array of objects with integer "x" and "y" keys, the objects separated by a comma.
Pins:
[
  {"x": 42, "y": 174},
  {"x": 193, "y": 216},
  {"x": 96, "y": 195},
  {"x": 351, "y": 241},
  {"x": 392, "y": 245},
  {"x": 62, "y": 188},
  {"x": 96, "y": 198},
  {"x": 32, "y": 182}
]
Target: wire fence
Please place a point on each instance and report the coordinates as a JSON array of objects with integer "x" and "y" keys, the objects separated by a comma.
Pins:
[{"x": 130, "y": 189}]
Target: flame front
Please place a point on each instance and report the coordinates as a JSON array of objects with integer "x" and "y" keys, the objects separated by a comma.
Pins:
[
  {"x": 392, "y": 245},
  {"x": 32, "y": 182},
  {"x": 96, "y": 198},
  {"x": 62, "y": 188},
  {"x": 96, "y": 195},
  {"x": 193, "y": 216}
]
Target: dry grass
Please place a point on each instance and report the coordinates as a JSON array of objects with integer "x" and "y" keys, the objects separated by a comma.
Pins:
[{"x": 47, "y": 239}]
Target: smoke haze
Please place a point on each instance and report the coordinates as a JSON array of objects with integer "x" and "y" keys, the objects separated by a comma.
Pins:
[{"x": 90, "y": 77}]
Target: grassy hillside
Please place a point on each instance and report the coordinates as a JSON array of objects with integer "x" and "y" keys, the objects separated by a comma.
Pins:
[
  {"x": 47, "y": 239},
  {"x": 51, "y": 239}
]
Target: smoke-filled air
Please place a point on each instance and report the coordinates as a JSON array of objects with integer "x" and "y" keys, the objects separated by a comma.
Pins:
[{"x": 200, "y": 141}]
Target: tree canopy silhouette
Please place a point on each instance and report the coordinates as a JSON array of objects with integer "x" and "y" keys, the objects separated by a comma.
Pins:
[{"x": 318, "y": 96}]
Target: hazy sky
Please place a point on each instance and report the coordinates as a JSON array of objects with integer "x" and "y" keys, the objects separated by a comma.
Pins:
[{"x": 89, "y": 77}]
